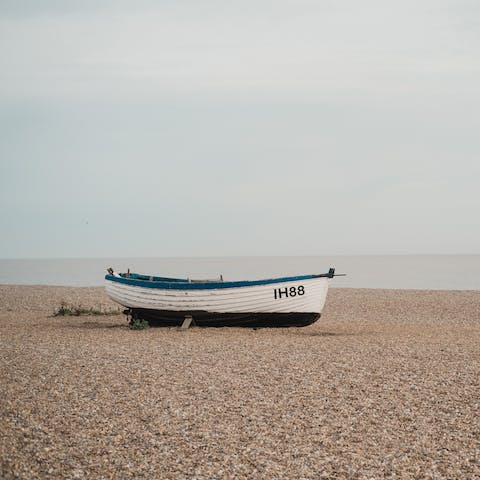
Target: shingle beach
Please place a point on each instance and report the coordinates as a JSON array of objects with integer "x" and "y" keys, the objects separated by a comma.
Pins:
[{"x": 385, "y": 385}]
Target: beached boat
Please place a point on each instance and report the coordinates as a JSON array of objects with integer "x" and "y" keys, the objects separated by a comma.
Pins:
[{"x": 277, "y": 302}]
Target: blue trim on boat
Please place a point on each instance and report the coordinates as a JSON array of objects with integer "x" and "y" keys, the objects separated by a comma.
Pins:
[{"x": 180, "y": 284}]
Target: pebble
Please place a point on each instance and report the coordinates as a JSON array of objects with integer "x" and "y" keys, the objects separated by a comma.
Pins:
[{"x": 385, "y": 385}]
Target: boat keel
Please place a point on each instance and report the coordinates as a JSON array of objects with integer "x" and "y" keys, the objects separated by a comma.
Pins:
[{"x": 214, "y": 319}]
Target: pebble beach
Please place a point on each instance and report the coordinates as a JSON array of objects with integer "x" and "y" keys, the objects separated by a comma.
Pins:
[{"x": 385, "y": 385}]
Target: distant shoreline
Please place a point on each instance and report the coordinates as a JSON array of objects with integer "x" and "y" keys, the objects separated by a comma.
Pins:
[
  {"x": 373, "y": 289},
  {"x": 410, "y": 272}
]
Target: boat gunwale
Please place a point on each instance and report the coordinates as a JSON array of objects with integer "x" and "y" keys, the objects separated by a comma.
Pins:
[{"x": 181, "y": 284}]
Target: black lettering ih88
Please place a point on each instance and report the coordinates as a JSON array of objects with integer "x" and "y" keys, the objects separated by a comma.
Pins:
[{"x": 288, "y": 292}]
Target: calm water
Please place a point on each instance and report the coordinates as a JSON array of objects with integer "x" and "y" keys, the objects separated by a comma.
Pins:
[{"x": 452, "y": 272}]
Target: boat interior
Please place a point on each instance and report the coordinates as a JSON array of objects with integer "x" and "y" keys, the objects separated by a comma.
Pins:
[{"x": 138, "y": 276}]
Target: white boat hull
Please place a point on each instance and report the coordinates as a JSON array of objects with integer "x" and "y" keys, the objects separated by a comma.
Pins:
[{"x": 296, "y": 302}]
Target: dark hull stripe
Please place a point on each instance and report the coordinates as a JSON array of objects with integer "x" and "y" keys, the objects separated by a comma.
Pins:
[{"x": 212, "y": 319}]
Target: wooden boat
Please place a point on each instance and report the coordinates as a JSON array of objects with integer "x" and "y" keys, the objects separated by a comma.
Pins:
[{"x": 277, "y": 302}]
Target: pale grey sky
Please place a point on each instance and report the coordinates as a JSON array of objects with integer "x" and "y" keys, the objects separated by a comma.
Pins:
[{"x": 186, "y": 128}]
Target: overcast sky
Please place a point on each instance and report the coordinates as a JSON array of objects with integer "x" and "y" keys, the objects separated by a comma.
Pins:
[{"x": 287, "y": 127}]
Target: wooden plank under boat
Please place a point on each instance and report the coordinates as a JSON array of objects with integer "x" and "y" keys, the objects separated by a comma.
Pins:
[{"x": 276, "y": 302}]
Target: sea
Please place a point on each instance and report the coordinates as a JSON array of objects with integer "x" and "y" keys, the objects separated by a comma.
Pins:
[{"x": 425, "y": 272}]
